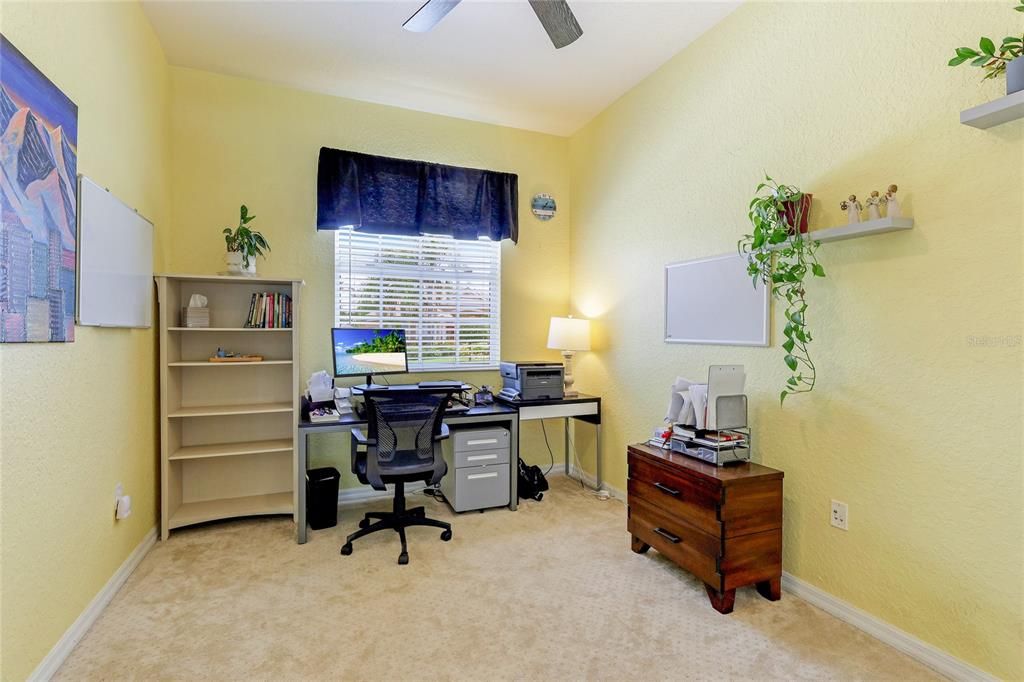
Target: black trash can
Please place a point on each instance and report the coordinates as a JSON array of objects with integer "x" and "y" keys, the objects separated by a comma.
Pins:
[{"x": 322, "y": 497}]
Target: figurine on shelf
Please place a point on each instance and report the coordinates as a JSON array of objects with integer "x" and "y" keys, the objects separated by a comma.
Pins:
[
  {"x": 852, "y": 208},
  {"x": 892, "y": 205},
  {"x": 874, "y": 203}
]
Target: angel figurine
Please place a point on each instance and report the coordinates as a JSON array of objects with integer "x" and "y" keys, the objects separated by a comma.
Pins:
[
  {"x": 893, "y": 206},
  {"x": 852, "y": 208},
  {"x": 874, "y": 203}
]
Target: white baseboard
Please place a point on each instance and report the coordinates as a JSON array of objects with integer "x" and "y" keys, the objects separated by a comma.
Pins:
[
  {"x": 590, "y": 480},
  {"x": 74, "y": 634},
  {"x": 931, "y": 656}
]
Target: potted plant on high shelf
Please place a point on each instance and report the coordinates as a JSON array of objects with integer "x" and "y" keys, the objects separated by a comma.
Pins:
[
  {"x": 244, "y": 245},
  {"x": 780, "y": 256},
  {"x": 997, "y": 61}
]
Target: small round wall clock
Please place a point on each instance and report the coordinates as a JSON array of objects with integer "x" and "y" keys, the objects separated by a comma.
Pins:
[{"x": 543, "y": 206}]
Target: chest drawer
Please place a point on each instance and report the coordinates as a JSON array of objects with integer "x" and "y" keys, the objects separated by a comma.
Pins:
[
  {"x": 677, "y": 503},
  {"x": 688, "y": 547},
  {"x": 666, "y": 480}
]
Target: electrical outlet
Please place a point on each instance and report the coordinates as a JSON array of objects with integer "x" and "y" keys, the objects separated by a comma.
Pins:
[{"x": 840, "y": 515}]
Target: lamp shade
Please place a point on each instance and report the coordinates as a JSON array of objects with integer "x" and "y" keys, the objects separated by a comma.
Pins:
[{"x": 569, "y": 333}]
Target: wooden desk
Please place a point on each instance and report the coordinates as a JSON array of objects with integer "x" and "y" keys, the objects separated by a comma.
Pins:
[
  {"x": 490, "y": 414},
  {"x": 723, "y": 524}
]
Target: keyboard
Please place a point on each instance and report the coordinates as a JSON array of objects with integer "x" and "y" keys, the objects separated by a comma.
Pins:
[{"x": 440, "y": 384}]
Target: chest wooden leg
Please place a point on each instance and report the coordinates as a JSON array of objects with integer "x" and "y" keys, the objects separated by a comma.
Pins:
[{"x": 721, "y": 601}]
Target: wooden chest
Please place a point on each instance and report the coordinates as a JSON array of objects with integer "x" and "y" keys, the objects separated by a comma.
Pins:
[{"x": 723, "y": 524}]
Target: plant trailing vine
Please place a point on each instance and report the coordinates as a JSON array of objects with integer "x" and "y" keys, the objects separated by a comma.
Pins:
[
  {"x": 244, "y": 240},
  {"x": 780, "y": 257},
  {"x": 989, "y": 57}
]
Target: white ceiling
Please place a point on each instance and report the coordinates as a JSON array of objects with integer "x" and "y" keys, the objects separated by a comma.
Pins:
[{"x": 488, "y": 60}]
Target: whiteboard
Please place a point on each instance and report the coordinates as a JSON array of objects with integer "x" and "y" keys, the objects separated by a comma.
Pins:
[
  {"x": 115, "y": 261},
  {"x": 712, "y": 301}
]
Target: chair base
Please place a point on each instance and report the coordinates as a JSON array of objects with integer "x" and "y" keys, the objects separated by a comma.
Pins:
[{"x": 397, "y": 520}]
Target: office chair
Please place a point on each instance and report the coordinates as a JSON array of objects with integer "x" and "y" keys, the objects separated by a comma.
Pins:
[{"x": 402, "y": 444}]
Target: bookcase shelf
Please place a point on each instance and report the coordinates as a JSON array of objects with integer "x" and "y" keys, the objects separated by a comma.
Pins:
[
  {"x": 227, "y": 439},
  {"x": 224, "y": 410},
  {"x": 191, "y": 513},
  {"x": 207, "y": 363},
  {"x": 253, "y": 447},
  {"x": 229, "y": 329}
]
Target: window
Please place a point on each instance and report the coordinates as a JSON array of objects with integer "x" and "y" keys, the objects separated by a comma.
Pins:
[{"x": 445, "y": 293}]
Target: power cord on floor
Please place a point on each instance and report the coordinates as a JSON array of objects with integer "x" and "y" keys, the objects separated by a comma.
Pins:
[{"x": 601, "y": 494}]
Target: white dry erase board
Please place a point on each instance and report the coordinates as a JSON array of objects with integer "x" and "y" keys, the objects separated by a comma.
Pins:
[
  {"x": 115, "y": 261},
  {"x": 712, "y": 301}
]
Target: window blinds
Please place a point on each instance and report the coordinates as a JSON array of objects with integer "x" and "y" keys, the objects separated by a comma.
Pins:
[{"x": 445, "y": 293}]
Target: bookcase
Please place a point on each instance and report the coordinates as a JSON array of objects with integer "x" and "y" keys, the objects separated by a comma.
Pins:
[{"x": 227, "y": 430}]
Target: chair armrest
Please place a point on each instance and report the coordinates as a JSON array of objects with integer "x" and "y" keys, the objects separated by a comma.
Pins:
[
  {"x": 444, "y": 433},
  {"x": 361, "y": 439}
]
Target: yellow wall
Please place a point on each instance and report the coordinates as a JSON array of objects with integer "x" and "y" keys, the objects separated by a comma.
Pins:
[
  {"x": 837, "y": 98},
  {"x": 240, "y": 141},
  {"x": 77, "y": 418}
]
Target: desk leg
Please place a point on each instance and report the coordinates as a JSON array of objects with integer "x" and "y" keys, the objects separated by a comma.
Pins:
[
  {"x": 513, "y": 500},
  {"x": 300, "y": 488},
  {"x": 597, "y": 457},
  {"x": 567, "y": 469}
]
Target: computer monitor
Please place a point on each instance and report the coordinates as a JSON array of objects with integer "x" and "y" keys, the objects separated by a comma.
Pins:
[{"x": 365, "y": 352}]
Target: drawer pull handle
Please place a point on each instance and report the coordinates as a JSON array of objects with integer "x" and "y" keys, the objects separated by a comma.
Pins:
[
  {"x": 482, "y": 441},
  {"x": 674, "y": 539},
  {"x": 665, "y": 489},
  {"x": 476, "y": 458},
  {"x": 493, "y": 474}
]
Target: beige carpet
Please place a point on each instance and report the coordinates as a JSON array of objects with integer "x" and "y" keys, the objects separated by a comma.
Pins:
[{"x": 549, "y": 592}]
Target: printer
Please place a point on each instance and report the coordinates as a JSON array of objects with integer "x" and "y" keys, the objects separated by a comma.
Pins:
[{"x": 523, "y": 381}]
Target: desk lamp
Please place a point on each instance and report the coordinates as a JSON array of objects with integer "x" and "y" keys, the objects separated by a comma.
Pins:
[{"x": 569, "y": 335}]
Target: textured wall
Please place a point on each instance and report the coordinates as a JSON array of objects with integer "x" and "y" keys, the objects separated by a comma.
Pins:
[
  {"x": 918, "y": 430},
  {"x": 240, "y": 141},
  {"x": 77, "y": 418}
]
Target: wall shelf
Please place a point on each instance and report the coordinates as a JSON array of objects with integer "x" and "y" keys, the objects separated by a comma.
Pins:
[
  {"x": 863, "y": 229},
  {"x": 996, "y": 112},
  {"x": 207, "y": 363}
]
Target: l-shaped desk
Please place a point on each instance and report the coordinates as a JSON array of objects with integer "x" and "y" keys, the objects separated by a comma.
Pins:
[{"x": 582, "y": 407}]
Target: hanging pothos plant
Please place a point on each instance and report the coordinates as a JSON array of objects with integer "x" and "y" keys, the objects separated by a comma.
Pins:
[{"x": 777, "y": 213}]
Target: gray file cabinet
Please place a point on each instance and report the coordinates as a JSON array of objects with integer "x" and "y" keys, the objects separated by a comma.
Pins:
[{"x": 479, "y": 466}]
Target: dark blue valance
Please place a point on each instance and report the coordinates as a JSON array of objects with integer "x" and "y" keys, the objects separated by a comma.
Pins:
[{"x": 381, "y": 195}]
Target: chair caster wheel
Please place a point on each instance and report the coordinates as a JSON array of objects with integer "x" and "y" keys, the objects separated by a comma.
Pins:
[
  {"x": 363, "y": 523},
  {"x": 346, "y": 549},
  {"x": 446, "y": 535},
  {"x": 403, "y": 558}
]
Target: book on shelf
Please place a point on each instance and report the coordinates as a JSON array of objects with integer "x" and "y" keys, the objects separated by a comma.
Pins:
[{"x": 269, "y": 310}]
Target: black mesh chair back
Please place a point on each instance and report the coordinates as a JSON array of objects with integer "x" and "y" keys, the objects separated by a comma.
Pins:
[{"x": 403, "y": 426}]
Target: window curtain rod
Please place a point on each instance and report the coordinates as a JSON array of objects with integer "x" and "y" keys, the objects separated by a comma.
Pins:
[{"x": 382, "y": 195}]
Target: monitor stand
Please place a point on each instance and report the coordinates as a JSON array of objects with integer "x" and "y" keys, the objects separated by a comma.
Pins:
[{"x": 369, "y": 385}]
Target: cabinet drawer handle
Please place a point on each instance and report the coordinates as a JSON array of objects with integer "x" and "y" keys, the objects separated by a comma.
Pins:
[
  {"x": 482, "y": 441},
  {"x": 473, "y": 477},
  {"x": 477, "y": 458},
  {"x": 674, "y": 539},
  {"x": 665, "y": 489}
]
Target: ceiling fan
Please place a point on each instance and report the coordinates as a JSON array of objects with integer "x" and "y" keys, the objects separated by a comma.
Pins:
[{"x": 554, "y": 15}]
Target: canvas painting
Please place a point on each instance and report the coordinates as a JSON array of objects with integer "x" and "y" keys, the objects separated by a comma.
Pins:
[{"x": 38, "y": 179}]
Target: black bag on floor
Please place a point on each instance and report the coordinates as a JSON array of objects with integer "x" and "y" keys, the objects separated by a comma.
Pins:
[{"x": 532, "y": 483}]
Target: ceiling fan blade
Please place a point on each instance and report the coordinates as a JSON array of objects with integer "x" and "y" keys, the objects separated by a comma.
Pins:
[
  {"x": 427, "y": 16},
  {"x": 558, "y": 20}
]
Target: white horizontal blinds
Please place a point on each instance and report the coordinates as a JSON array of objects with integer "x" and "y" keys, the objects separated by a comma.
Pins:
[{"x": 445, "y": 293}]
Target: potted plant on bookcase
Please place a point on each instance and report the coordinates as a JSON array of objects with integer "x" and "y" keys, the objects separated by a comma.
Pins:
[
  {"x": 780, "y": 255},
  {"x": 244, "y": 245}
]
